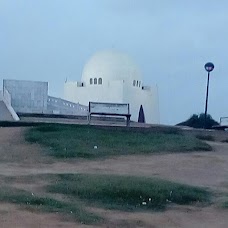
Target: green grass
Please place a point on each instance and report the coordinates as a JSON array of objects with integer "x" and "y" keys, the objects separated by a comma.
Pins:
[
  {"x": 20, "y": 124},
  {"x": 69, "y": 141},
  {"x": 225, "y": 205},
  {"x": 80, "y": 191},
  {"x": 225, "y": 141},
  {"x": 126, "y": 192},
  {"x": 205, "y": 137},
  {"x": 44, "y": 204}
]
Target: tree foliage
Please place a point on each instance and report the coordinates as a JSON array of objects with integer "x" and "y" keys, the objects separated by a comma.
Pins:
[{"x": 197, "y": 121}]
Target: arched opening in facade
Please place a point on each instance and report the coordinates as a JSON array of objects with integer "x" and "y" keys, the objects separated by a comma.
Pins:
[
  {"x": 95, "y": 81},
  {"x": 100, "y": 81},
  {"x": 141, "y": 118}
]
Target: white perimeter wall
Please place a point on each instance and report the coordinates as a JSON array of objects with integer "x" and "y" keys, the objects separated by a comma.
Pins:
[{"x": 64, "y": 107}]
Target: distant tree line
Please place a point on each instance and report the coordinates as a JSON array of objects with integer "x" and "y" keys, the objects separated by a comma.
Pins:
[{"x": 197, "y": 121}]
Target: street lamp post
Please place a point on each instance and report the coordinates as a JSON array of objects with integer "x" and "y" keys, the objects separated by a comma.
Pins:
[{"x": 208, "y": 67}]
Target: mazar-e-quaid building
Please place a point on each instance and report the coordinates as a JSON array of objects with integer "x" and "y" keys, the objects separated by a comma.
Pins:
[
  {"x": 113, "y": 77},
  {"x": 109, "y": 77}
]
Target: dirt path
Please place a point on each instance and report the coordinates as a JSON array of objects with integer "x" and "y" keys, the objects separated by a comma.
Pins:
[
  {"x": 179, "y": 217},
  {"x": 14, "y": 149},
  {"x": 208, "y": 169}
]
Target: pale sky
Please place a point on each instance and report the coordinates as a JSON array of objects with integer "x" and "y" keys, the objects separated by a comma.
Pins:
[{"x": 51, "y": 40}]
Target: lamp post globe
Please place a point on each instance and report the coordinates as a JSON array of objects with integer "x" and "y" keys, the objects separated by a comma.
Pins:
[{"x": 208, "y": 67}]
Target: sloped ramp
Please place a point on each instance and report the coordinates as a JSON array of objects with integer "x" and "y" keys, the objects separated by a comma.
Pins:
[{"x": 5, "y": 113}]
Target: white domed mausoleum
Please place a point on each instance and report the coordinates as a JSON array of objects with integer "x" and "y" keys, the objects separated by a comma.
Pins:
[{"x": 113, "y": 77}]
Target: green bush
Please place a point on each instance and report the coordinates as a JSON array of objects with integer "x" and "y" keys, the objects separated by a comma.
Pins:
[{"x": 198, "y": 121}]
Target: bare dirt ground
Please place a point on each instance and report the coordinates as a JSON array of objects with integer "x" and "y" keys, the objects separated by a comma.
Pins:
[{"x": 207, "y": 169}]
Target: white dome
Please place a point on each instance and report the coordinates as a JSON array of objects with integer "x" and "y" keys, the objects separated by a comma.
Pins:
[{"x": 110, "y": 66}]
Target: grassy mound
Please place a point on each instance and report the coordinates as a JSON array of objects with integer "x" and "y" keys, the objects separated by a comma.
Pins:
[
  {"x": 205, "y": 137},
  {"x": 44, "y": 204},
  {"x": 126, "y": 192},
  {"x": 81, "y": 191},
  {"x": 68, "y": 141}
]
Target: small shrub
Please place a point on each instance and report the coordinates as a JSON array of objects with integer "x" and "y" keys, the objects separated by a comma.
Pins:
[{"x": 198, "y": 121}]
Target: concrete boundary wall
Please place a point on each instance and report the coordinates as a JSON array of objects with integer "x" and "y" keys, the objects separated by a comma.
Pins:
[
  {"x": 27, "y": 96},
  {"x": 1, "y": 95}
]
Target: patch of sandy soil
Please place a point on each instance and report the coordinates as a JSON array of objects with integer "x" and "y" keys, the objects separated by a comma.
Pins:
[
  {"x": 14, "y": 149},
  {"x": 12, "y": 216},
  {"x": 207, "y": 169},
  {"x": 177, "y": 217}
]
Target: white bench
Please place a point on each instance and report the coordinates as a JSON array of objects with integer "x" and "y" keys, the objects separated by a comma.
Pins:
[
  {"x": 109, "y": 109},
  {"x": 223, "y": 125}
]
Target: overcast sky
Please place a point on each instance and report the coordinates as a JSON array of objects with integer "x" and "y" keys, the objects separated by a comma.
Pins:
[{"x": 51, "y": 40}]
